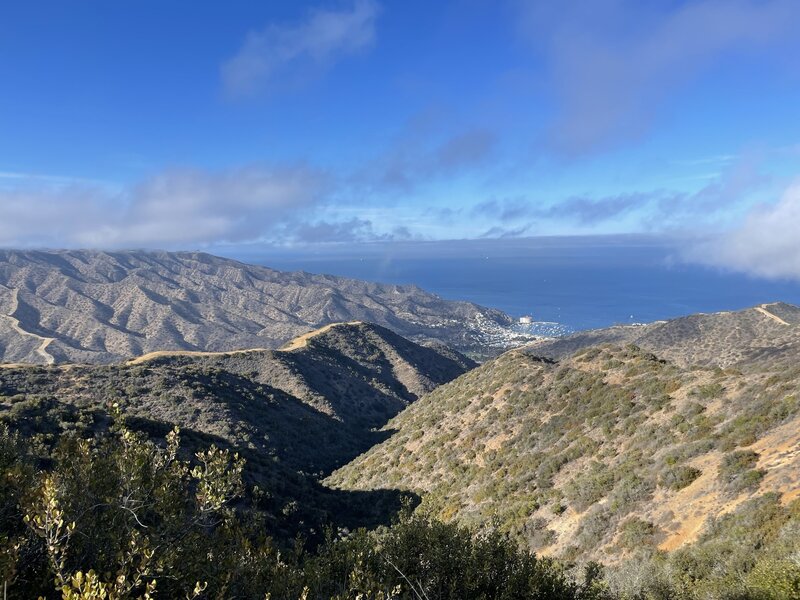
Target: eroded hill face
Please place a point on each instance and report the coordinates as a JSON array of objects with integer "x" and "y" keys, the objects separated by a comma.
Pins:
[
  {"x": 103, "y": 307},
  {"x": 722, "y": 339},
  {"x": 358, "y": 374},
  {"x": 605, "y": 452},
  {"x": 337, "y": 385},
  {"x": 294, "y": 415}
]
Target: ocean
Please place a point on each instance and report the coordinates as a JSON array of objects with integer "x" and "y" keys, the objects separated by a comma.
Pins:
[{"x": 578, "y": 284}]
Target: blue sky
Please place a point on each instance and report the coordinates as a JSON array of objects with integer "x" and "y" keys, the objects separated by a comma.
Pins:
[{"x": 194, "y": 125}]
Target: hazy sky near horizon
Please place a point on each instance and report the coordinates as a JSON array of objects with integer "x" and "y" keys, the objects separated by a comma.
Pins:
[{"x": 189, "y": 125}]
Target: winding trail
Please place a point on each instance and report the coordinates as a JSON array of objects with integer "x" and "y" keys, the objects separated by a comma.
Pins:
[
  {"x": 302, "y": 340},
  {"x": 763, "y": 310},
  {"x": 41, "y": 350},
  {"x": 298, "y": 342},
  {"x": 160, "y": 353}
]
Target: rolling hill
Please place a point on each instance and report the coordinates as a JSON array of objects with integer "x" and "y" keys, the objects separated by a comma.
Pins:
[
  {"x": 676, "y": 475},
  {"x": 612, "y": 449},
  {"x": 716, "y": 339},
  {"x": 85, "y": 306},
  {"x": 294, "y": 414}
]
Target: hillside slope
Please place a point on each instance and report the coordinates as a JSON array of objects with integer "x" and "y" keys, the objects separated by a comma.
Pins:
[
  {"x": 84, "y": 306},
  {"x": 604, "y": 452},
  {"x": 333, "y": 389},
  {"x": 294, "y": 415},
  {"x": 358, "y": 374},
  {"x": 716, "y": 339}
]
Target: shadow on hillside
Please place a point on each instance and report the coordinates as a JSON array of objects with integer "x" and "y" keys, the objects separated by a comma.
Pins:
[
  {"x": 244, "y": 411},
  {"x": 294, "y": 501},
  {"x": 220, "y": 403},
  {"x": 295, "y": 432},
  {"x": 352, "y": 390},
  {"x": 289, "y": 446}
]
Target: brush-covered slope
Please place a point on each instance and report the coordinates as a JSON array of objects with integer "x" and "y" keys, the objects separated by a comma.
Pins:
[
  {"x": 294, "y": 414},
  {"x": 333, "y": 388},
  {"x": 609, "y": 450},
  {"x": 101, "y": 307},
  {"x": 719, "y": 339},
  {"x": 358, "y": 374}
]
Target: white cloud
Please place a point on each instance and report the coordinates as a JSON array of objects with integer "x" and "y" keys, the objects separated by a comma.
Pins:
[
  {"x": 290, "y": 51},
  {"x": 34, "y": 216},
  {"x": 614, "y": 62},
  {"x": 766, "y": 244},
  {"x": 175, "y": 208},
  {"x": 655, "y": 210}
]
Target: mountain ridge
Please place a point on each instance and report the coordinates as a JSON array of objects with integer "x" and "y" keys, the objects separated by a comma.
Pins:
[
  {"x": 102, "y": 307},
  {"x": 722, "y": 339}
]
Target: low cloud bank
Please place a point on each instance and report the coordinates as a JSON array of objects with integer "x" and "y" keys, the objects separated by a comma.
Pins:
[
  {"x": 173, "y": 209},
  {"x": 765, "y": 244}
]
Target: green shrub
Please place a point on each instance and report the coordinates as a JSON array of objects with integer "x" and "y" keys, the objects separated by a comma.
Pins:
[
  {"x": 773, "y": 579},
  {"x": 678, "y": 477},
  {"x": 736, "y": 470},
  {"x": 636, "y": 533},
  {"x": 709, "y": 391}
]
